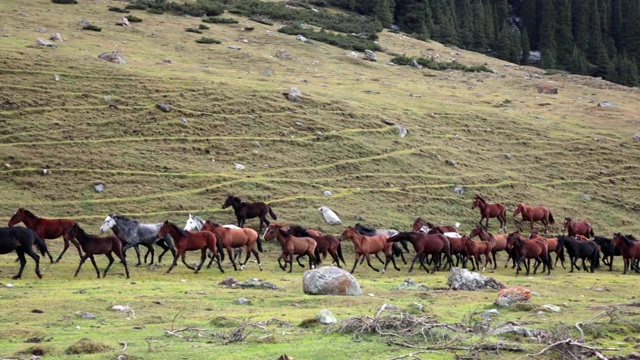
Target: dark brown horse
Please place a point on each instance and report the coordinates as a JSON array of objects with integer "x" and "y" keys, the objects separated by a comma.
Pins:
[
  {"x": 426, "y": 244},
  {"x": 191, "y": 241},
  {"x": 46, "y": 228},
  {"x": 244, "y": 211},
  {"x": 475, "y": 249},
  {"x": 291, "y": 245},
  {"x": 488, "y": 211},
  {"x": 327, "y": 243},
  {"x": 554, "y": 246},
  {"x": 630, "y": 249},
  {"x": 535, "y": 213},
  {"x": 529, "y": 249},
  {"x": 235, "y": 238},
  {"x": 21, "y": 240},
  {"x": 367, "y": 245},
  {"x": 420, "y": 223},
  {"x": 574, "y": 228},
  {"x": 97, "y": 245},
  {"x": 498, "y": 242}
]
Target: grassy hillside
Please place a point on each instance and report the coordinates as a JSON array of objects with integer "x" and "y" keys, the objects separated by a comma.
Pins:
[{"x": 99, "y": 123}]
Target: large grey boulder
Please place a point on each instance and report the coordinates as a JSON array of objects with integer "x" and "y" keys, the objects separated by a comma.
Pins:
[
  {"x": 330, "y": 280},
  {"x": 463, "y": 279}
]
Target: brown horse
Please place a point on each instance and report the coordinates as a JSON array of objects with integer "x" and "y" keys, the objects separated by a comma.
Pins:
[
  {"x": 291, "y": 245},
  {"x": 97, "y": 245},
  {"x": 46, "y": 228},
  {"x": 488, "y": 211},
  {"x": 420, "y": 223},
  {"x": 425, "y": 244},
  {"x": 244, "y": 211},
  {"x": 574, "y": 228},
  {"x": 630, "y": 250},
  {"x": 326, "y": 243},
  {"x": 498, "y": 243},
  {"x": 535, "y": 213},
  {"x": 367, "y": 245},
  {"x": 529, "y": 249},
  {"x": 552, "y": 244},
  {"x": 235, "y": 238},
  {"x": 475, "y": 249},
  {"x": 191, "y": 241}
]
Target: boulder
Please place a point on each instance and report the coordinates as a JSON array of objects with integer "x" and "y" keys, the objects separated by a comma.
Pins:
[
  {"x": 463, "y": 279},
  {"x": 164, "y": 107},
  {"x": 325, "y": 317},
  {"x": 518, "y": 330},
  {"x": 370, "y": 55},
  {"x": 123, "y": 22},
  {"x": 330, "y": 280},
  {"x": 607, "y": 104},
  {"x": 409, "y": 284},
  {"x": 45, "y": 43},
  {"x": 301, "y": 38},
  {"x": 508, "y": 296},
  {"x": 329, "y": 216},
  {"x": 112, "y": 56}
]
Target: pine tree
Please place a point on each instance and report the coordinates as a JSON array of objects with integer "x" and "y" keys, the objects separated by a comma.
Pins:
[
  {"x": 503, "y": 47},
  {"x": 548, "y": 27},
  {"x": 412, "y": 17},
  {"x": 597, "y": 53},
  {"x": 526, "y": 48},
  {"x": 465, "y": 22},
  {"x": 529, "y": 16},
  {"x": 480, "y": 38},
  {"x": 563, "y": 35},
  {"x": 580, "y": 21}
]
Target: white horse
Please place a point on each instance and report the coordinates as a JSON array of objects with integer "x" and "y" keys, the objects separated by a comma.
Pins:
[
  {"x": 195, "y": 223},
  {"x": 426, "y": 229}
]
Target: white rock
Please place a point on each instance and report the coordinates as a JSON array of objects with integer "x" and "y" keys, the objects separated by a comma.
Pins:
[{"x": 329, "y": 216}]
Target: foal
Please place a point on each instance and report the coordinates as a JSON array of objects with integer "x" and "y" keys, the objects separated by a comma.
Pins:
[
  {"x": 291, "y": 245},
  {"x": 498, "y": 243},
  {"x": 96, "y": 245},
  {"x": 475, "y": 249}
]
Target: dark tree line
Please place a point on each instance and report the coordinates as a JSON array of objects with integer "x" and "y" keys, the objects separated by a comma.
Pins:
[{"x": 590, "y": 37}]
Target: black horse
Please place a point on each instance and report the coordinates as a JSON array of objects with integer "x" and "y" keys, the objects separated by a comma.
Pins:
[
  {"x": 607, "y": 249},
  {"x": 21, "y": 240},
  {"x": 579, "y": 249},
  {"x": 244, "y": 211}
]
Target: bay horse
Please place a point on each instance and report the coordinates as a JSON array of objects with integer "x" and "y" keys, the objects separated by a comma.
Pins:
[
  {"x": 46, "y": 228},
  {"x": 395, "y": 248},
  {"x": 574, "y": 228},
  {"x": 367, "y": 245},
  {"x": 535, "y": 213},
  {"x": 425, "y": 244},
  {"x": 235, "y": 238},
  {"x": 291, "y": 245},
  {"x": 607, "y": 249},
  {"x": 578, "y": 249},
  {"x": 326, "y": 243},
  {"x": 97, "y": 245},
  {"x": 195, "y": 223},
  {"x": 553, "y": 245},
  {"x": 529, "y": 249},
  {"x": 21, "y": 240},
  {"x": 630, "y": 249},
  {"x": 245, "y": 210},
  {"x": 498, "y": 243},
  {"x": 420, "y": 224},
  {"x": 488, "y": 211},
  {"x": 475, "y": 249},
  {"x": 191, "y": 241}
]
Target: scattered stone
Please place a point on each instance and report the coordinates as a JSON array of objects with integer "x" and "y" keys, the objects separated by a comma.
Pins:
[
  {"x": 409, "y": 284},
  {"x": 450, "y": 162},
  {"x": 458, "y": 190},
  {"x": 327, "y": 193},
  {"x": 37, "y": 311},
  {"x": 319, "y": 133},
  {"x": 107, "y": 98},
  {"x": 113, "y": 57},
  {"x": 164, "y": 107},
  {"x": 265, "y": 73},
  {"x": 283, "y": 54},
  {"x": 607, "y": 104},
  {"x": 352, "y": 54},
  {"x": 487, "y": 314},
  {"x": 124, "y": 309},
  {"x": 294, "y": 95},
  {"x": 415, "y": 64},
  {"x": 257, "y": 143},
  {"x": 329, "y": 216},
  {"x": 463, "y": 279},
  {"x": 168, "y": 61},
  {"x": 44, "y": 171},
  {"x": 45, "y": 43},
  {"x": 5, "y": 35},
  {"x": 99, "y": 187},
  {"x": 518, "y": 330},
  {"x": 229, "y": 282},
  {"x": 239, "y": 167},
  {"x": 402, "y": 130},
  {"x": 41, "y": 30},
  {"x": 359, "y": 218},
  {"x": 415, "y": 308},
  {"x": 535, "y": 293},
  {"x": 8, "y": 285},
  {"x": 586, "y": 197},
  {"x": 234, "y": 47},
  {"x": 636, "y": 137},
  {"x": 254, "y": 283},
  {"x": 85, "y": 22},
  {"x": 370, "y": 55},
  {"x": 298, "y": 123},
  {"x": 326, "y": 317},
  {"x": 56, "y": 37},
  {"x": 301, "y": 38},
  {"x": 547, "y": 90},
  {"x": 507, "y": 156},
  {"x": 86, "y": 315},
  {"x": 330, "y": 280},
  {"x": 552, "y": 307},
  {"x": 184, "y": 120},
  {"x": 124, "y": 22},
  {"x": 242, "y": 301},
  {"x": 513, "y": 295}
]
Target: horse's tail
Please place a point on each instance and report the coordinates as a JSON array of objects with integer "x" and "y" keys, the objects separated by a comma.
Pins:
[
  {"x": 340, "y": 253},
  {"x": 259, "y": 244},
  {"x": 591, "y": 233},
  {"x": 596, "y": 258},
  {"x": 40, "y": 243},
  {"x": 220, "y": 247},
  {"x": 551, "y": 221},
  {"x": 316, "y": 253},
  {"x": 273, "y": 215}
]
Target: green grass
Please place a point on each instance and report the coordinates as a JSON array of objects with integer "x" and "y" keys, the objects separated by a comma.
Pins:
[{"x": 155, "y": 167}]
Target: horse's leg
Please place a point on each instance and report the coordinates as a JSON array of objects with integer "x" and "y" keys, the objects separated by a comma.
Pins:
[
  {"x": 136, "y": 248},
  {"x": 29, "y": 251},
  {"x": 368, "y": 257},
  {"x": 151, "y": 250},
  {"x": 174, "y": 263},
  {"x": 298, "y": 259},
  {"x": 82, "y": 260},
  {"x": 64, "y": 249},
  {"x": 123, "y": 260},
  {"x": 378, "y": 256},
  {"x": 335, "y": 257},
  {"x": 394, "y": 262},
  {"x": 93, "y": 261},
  {"x": 23, "y": 262},
  {"x": 413, "y": 262},
  {"x": 291, "y": 262},
  {"x": 110, "y": 257},
  {"x": 257, "y": 255},
  {"x": 230, "y": 253},
  {"x": 495, "y": 263},
  {"x": 355, "y": 263},
  {"x": 203, "y": 258},
  {"x": 184, "y": 260}
]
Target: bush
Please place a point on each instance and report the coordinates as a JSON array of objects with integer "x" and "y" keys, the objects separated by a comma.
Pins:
[
  {"x": 248, "y": 28},
  {"x": 348, "y": 42},
  {"x": 261, "y": 19},
  {"x": 132, "y": 18},
  {"x": 203, "y": 27},
  {"x": 432, "y": 64},
  {"x": 207, "y": 40},
  {"x": 92, "y": 28},
  {"x": 158, "y": 11},
  {"x": 136, "y": 6},
  {"x": 64, "y": 1},
  {"x": 197, "y": 9},
  {"x": 117, "y": 9},
  {"x": 193, "y": 30},
  {"x": 216, "y": 20}
]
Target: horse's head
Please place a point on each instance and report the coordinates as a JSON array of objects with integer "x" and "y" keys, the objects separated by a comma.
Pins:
[
  {"x": 71, "y": 233},
  {"x": 164, "y": 230},
  {"x": 192, "y": 224},
  {"x": 108, "y": 223},
  {"x": 348, "y": 233},
  {"x": 418, "y": 224},
  {"x": 534, "y": 234},
  {"x": 17, "y": 217},
  {"x": 567, "y": 223},
  {"x": 271, "y": 232},
  {"x": 478, "y": 230},
  {"x": 228, "y": 202},
  {"x": 518, "y": 210},
  {"x": 512, "y": 238}
]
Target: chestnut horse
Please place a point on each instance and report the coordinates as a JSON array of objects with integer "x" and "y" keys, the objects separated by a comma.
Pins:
[
  {"x": 191, "y": 241},
  {"x": 367, "y": 245},
  {"x": 488, "y": 211},
  {"x": 21, "y": 240},
  {"x": 291, "y": 245},
  {"x": 235, "y": 238},
  {"x": 425, "y": 244},
  {"x": 327, "y": 243},
  {"x": 630, "y": 249},
  {"x": 498, "y": 243},
  {"x": 535, "y": 213},
  {"x": 420, "y": 223},
  {"x": 46, "y": 228},
  {"x": 574, "y": 228},
  {"x": 553, "y": 245},
  {"x": 97, "y": 245},
  {"x": 529, "y": 249},
  {"x": 475, "y": 249}
]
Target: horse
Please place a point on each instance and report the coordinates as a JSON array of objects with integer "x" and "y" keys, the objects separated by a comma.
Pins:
[
  {"x": 367, "y": 245},
  {"x": 607, "y": 249},
  {"x": 630, "y": 249},
  {"x": 488, "y": 211},
  {"x": 21, "y": 240},
  {"x": 134, "y": 233},
  {"x": 529, "y": 249},
  {"x": 552, "y": 243},
  {"x": 535, "y": 213},
  {"x": 291, "y": 245},
  {"x": 420, "y": 224},
  {"x": 195, "y": 223},
  {"x": 424, "y": 244},
  {"x": 475, "y": 249},
  {"x": 326, "y": 243},
  {"x": 498, "y": 243},
  {"x": 244, "y": 211},
  {"x": 580, "y": 249},
  {"x": 191, "y": 241},
  {"x": 395, "y": 249},
  {"x": 234, "y": 238},
  {"x": 45, "y": 228},
  {"x": 574, "y": 228},
  {"x": 97, "y": 245}
]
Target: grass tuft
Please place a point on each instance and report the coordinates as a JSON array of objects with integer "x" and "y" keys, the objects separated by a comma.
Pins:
[
  {"x": 208, "y": 40},
  {"x": 87, "y": 346}
]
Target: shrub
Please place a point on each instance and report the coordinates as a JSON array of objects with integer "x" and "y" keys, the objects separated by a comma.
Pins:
[
  {"x": 248, "y": 28},
  {"x": 208, "y": 40},
  {"x": 136, "y": 6},
  {"x": 92, "y": 28},
  {"x": 261, "y": 19},
  {"x": 132, "y": 18},
  {"x": 198, "y": 8},
  {"x": 203, "y": 27},
  {"x": 193, "y": 30},
  {"x": 64, "y": 1},
  {"x": 348, "y": 42},
  {"x": 117, "y": 9},
  {"x": 216, "y": 20},
  {"x": 432, "y": 64},
  {"x": 158, "y": 11}
]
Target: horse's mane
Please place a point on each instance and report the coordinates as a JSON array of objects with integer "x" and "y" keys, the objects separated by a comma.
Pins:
[
  {"x": 124, "y": 218},
  {"x": 298, "y": 231},
  {"x": 180, "y": 231},
  {"x": 29, "y": 214},
  {"x": 430, "y": 225},
  {"x": 211, "y": 222},
  {"x": 630, "y": 237},
  {"x": 364, "y": 230},
  {"x": 478, "y": 196}
]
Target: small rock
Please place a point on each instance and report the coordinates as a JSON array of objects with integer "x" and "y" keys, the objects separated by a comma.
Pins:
[
  {"x": 535, "y": 293},
  {"x": 458, "y": 190},
  {"x": 86, "y": 315},
  {"x": 327, "y": 193},
  {"x": 319, "y": 133},
  {"x": 352, "y": 54},
  {"x": 359, "y": 218},
  {"x": 234, "y": 47},
  {"x": 463, "y": 279},
  {"x": 254, "y": 283},
  {"x": 301, "y": 38},
  {"x": 257, "y": 143},
  {"x": 370, "y": 55},
  {"x": 298, "y": 123},
  {"x": 168, "y": 61},
  {"x": 507, "y": 156},
  {"x": 99, "y": 187},
  {"x": 636, "y": 137},
  {"x": 283, "y": 55},
  {"x": 164, "y": 107},
  {"x": 45, "y": 43},
  {"x": 37, "y": 311},
  {"x": 239, "y": 167},
  {"x": 518, "y": 330},
  {"x": 229, "y": 282},
  {"x": 44, "y": 171},
  {"x": 450, "y": 162},
  {"x": 607, "y": 104},
  {"x": 265, "y": 73},
  {"x": 409, "y": 284},
  {"x": 586, "y": 197},
  {"x": 82, "y": 291},
  {"x": 326, "y": 317},
  {"x": 402, "y": 130},
  {"x": 56, "y": 37},
  {"x": 107, "y": 98},
  {"x": 124, "y": 22},
  {"x": 552, "y": 307},
  {"x": 487, "y": 314},
  {"x": 41, "y": 30},
  {"x": 329, "y": 216},
  {"x": 242, "y": 301},
  {"x": 184, "y": 120},
  {"x": 113, "y": 57}
]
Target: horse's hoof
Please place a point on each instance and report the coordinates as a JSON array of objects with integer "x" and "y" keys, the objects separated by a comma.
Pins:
[
  {"x": 39, "y": 275},
  {"x": 16, "y": 277}
]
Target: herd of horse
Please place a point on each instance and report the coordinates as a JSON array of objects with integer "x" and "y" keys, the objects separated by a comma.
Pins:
[{"x": 435, "y": 246}]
